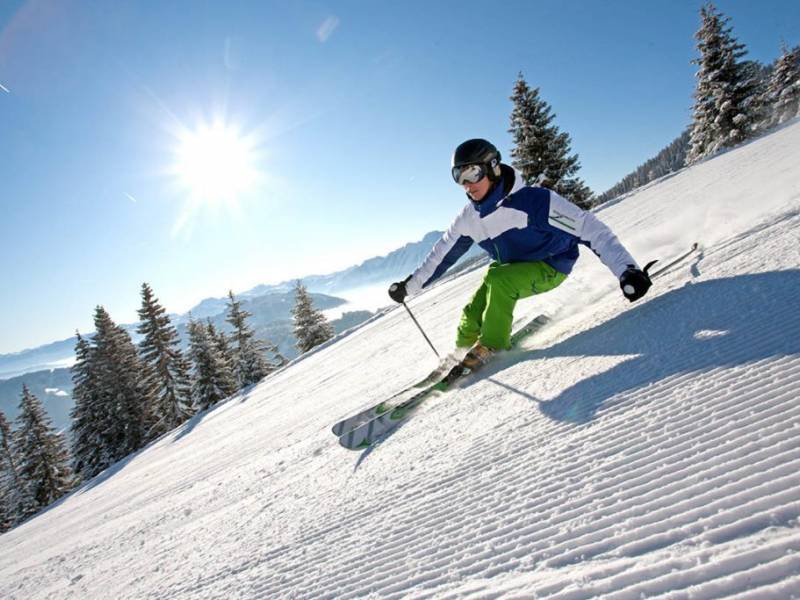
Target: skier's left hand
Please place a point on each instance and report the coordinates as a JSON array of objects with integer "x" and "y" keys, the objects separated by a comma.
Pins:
[{"x": 634, "y": 283}]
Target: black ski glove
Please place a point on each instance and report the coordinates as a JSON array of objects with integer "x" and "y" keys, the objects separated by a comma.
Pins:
[
  {"x": 397, "y": 291},
  {"x": 635, "y": 283}
]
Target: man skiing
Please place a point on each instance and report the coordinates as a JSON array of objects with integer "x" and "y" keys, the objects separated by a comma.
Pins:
[{"x": 532, "y": 234}]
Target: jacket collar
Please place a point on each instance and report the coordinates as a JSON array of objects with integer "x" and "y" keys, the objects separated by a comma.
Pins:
[{"x": 511, "y": 181}]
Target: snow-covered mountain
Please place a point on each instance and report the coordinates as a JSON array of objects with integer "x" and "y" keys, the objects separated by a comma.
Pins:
[
  {"x": 626, "y": 451},
  {"x": 379, "y": 269}
]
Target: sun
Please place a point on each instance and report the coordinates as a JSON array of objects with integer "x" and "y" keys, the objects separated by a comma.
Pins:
[{"x": 216, "y": 164}]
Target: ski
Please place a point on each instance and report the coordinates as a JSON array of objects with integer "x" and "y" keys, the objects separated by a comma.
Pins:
[
  {"x": 692, "y": 249},
  {"x": 365, "y": 433},
  {"x": 384, "y": 406}
]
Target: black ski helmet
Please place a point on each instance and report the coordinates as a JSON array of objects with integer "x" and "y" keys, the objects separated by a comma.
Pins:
[{"x": 478, "y": 151}]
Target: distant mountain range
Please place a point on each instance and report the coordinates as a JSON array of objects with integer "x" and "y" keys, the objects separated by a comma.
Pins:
[
  {"x": 46, "y": 368},
  {"x": 395, "y": 265}
]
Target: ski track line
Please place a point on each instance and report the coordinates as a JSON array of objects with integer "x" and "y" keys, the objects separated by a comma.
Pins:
[
  {"x": 373, "y": 557},
  {"x": 405, "y": 579},
  {"x": 545, "y": 507},
  {"x": 688, "y": 373},
  {"x": 645, "y": 465},
  {"x": 494, "y": 557},
  {"x": 496, "y": 553},
  {"x": 761, "y": 234},
  {"x": 601, "y": 579},
  {"x": 712, "y": 409},
  {"x": 632, "y": 460},
  {"x": 766, "y": 565},
  {"x": 787, "y": 589},
  {"x": 642, "y": 439}
]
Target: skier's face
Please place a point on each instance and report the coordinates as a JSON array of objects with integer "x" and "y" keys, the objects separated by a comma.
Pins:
[{"x": 477, "y": 191}]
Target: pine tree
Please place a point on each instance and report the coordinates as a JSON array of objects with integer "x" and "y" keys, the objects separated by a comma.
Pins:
[
  {"x": 91, "y": 415},
  {"x": 16, "y": 500},
  {"x": 311, "y": 328},
  {"x": 222, "y": 345},
  {"x": 726, "y": 91},
  {"x": 42, "y": 453},
  {"x": 167, "y": 371},
  {"x": 758, "y": 105},
  {"x": 250, "y": 362},
  {"x": 213, "y": 376},
  {"x": 120, "y": 380},
  {"x": 6, "y": 517},
  {"x": 783, "y": 91},
  {"x": 541, "y": 151}
]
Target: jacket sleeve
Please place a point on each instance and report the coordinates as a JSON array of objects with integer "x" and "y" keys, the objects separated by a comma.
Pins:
[
  {"x": 444, "y": 254},
  {"x": 590, "y": 231}
]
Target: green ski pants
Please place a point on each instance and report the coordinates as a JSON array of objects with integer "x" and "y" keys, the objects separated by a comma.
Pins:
[{"x": 489, "y": 315}]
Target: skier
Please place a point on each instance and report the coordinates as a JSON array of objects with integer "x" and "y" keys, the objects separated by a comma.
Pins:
[{"x": 532, "y": 234}]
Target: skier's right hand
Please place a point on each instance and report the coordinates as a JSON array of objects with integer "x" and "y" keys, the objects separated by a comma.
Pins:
[
  {"x": 635, "y": 282},
  {"x": 397, "y": 291}
]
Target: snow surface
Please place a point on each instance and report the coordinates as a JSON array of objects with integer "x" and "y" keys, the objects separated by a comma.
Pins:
[{"x": 649, "y": 450}]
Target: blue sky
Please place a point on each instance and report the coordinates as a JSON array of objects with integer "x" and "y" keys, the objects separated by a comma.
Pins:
[{"x": 347, "y": 114}]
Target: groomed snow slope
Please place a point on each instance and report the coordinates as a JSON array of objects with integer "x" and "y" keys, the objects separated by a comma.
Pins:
[{"x": 627, "y": 451}]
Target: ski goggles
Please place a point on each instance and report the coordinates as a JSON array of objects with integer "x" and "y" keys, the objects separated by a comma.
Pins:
[{"x": 468, "y": 173}]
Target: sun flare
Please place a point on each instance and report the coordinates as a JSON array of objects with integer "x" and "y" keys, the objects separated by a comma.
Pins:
[{"x": 216, "y": 163}]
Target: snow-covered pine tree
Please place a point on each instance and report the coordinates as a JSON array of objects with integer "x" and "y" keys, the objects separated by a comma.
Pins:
[
  {"x": 16, "y": 501},
  {"x": 167, "y": 371},
  {"x": 311, "y": 328},
  {"x": 758, "y": 75},
  {"x": 726, "y": 91},
  {"x": 250, "y": 362},
  {"x": 213, "y": 376},
  {"x": 121, "y": 384},
  {"x": 783, "y": 91},
  {"x": 222, "y": 345},
  {"x": 43, "y": 459},
  {"x": 542, "y": 152},
  {"x": 91, "y": 415},
  {"x": 6, "y": 517}
]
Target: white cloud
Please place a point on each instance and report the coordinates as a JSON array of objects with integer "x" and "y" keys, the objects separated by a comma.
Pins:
[
  {"x": 327, "y": 28},
  {"x": 55, "y": 392}
]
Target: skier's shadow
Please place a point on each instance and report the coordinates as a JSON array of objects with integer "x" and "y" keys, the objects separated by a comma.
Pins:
[{"x": 699, "y": 327}]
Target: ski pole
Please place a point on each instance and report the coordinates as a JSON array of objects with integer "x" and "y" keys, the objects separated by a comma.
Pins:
[{"x": 422, "y": 331}]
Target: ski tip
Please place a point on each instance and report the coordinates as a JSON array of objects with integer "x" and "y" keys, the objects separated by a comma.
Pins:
[{"x": 348, "y": 445}]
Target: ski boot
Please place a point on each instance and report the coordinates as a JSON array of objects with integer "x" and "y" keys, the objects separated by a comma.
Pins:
[{"x": 477, "y": 356}]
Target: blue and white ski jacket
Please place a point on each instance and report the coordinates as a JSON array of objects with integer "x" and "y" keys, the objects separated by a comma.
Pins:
[{"x": 519, "y": 223}]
